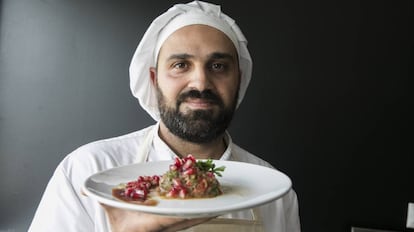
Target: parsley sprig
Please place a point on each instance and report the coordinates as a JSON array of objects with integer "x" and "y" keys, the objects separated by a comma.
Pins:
[{"x": 208, "y": 165}]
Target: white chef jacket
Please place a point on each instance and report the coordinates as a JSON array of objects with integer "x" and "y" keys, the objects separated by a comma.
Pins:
[{"x": 64, "y": 208}]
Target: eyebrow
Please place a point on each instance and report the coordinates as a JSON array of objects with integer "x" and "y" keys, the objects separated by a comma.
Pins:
[
  {"x": 221, "y": 55},
  {"x": 214, "y": 55},
  {"x": 180, "y": 56}
]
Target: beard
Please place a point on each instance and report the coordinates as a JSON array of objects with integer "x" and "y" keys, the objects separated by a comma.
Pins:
[{"x": 197, "y": 126}]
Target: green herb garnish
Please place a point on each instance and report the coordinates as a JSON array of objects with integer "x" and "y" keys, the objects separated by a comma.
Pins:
[{"x": 209, "y": 166}]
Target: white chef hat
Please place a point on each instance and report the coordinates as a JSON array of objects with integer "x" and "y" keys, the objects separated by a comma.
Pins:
[{"x": 178, "y": 16}]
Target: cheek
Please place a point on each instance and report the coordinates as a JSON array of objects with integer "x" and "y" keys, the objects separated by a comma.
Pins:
[
  {"x": 228, "y": 92},
  {"x": 170, "y": 90}
]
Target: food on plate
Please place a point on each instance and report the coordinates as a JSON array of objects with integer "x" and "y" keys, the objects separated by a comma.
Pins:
[
  {"x": 186, "y": 178},
  {"x": 137, "y": 191}
]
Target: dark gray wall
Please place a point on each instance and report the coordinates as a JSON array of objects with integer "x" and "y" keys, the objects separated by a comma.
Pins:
[{"x": 329, "y": 103}]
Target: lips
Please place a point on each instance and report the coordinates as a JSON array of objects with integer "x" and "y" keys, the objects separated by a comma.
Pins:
[{"x": 199, "y": 102}]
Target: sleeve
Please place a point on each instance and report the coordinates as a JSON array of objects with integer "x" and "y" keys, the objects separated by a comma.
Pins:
[
  {"x": 60, "y": 208},
  {"x": 292, "y": 212},
  {"x": 282, "y": 215}
]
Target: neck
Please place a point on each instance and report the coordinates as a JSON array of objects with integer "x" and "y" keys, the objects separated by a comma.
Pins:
[{"x": 210, "y": 150}]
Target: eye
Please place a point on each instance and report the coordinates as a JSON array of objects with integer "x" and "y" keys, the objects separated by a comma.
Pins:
[
  {"x": 180, "y": 65},
  {"x": 218, "y": 66}
]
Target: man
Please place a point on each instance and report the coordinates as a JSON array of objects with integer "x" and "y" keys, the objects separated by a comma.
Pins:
[{"x": 189, "y": 72}]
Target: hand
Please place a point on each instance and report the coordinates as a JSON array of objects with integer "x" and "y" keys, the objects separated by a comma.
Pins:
[{"x": 133, "y": 221}]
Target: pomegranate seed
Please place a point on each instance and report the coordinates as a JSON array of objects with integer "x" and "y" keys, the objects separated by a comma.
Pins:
[
  {"x": 178, "y": 162},
  {"x": 176, "y": 183},
  {"x": 188, "y": 164},
  {"x": 183, "y": 193},
  {"x": 189, "y": 171},
  {"x": 173, "y": 167},
  {"x": 138, "y": 193},
  {"x": 191, "y": 157}
]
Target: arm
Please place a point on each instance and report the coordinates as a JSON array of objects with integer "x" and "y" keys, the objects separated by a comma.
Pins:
[
  {"x": 60, "y": 208},
  {"x": 292, "y": 212}
]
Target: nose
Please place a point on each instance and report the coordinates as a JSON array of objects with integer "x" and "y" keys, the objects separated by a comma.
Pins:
[{"x": 200, "y": 79}]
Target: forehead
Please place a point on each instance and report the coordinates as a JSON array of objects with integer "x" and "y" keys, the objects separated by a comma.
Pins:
[{"x": 197, "y": 40}]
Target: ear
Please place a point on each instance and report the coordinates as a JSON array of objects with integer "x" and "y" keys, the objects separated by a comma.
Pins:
[{"x": 153, "y": 75}]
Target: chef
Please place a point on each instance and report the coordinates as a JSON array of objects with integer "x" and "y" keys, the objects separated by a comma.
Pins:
[{"x": 190, "y": 72}]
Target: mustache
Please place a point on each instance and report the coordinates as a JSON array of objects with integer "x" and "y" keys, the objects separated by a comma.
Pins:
[{"x": 204, "y": 95}]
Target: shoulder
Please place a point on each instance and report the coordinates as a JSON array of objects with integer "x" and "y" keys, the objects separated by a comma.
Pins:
[
  {"x": 103, "y": 154},
  {"x": 242, "y": 155}
]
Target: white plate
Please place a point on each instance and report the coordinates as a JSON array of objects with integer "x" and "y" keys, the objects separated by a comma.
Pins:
[{"x": 244, "y": 186}]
